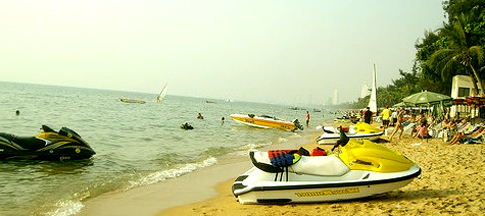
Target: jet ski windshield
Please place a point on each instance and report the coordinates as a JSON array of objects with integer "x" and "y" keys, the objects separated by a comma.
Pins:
[
  {"x": 64, "y": 131},
  {"x": 46, "y": 128}
]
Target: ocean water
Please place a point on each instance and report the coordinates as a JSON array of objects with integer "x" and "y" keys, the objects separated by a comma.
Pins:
[{"x": 136, "y": 144}]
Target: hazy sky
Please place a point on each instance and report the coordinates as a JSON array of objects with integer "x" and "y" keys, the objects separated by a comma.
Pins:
[{"x": 277, "y": 51}]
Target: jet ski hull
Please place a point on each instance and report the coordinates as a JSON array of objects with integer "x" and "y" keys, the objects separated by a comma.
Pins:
[
  {"x": 59, "y": 154},
  {"x": 259, "y": 187},
  {"x": 332, "y": 138},
  {"x": 360, "y": 130}
]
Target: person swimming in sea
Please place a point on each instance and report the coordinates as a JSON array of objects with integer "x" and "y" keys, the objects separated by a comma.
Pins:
[{"x": 187, "y": 126}]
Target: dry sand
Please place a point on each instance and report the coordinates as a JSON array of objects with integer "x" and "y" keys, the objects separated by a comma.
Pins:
[{"x": 451, "y": 183}]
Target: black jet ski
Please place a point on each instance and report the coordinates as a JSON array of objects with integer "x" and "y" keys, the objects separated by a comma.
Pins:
[{"x": 48, "y": 145}]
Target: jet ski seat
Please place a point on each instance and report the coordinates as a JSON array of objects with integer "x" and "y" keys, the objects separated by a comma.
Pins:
[
  {"x": 25, "y": 142},
  {"x": 315, "y": 165}
]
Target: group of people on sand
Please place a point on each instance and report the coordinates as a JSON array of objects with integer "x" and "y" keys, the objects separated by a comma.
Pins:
[
  {"x": 463, "y": 131},
  {"x": 420, "y": 125}
]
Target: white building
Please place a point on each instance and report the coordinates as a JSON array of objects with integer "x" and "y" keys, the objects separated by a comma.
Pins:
[
  {"x": 335, "y": 97},
  {"x": 462, "y": 87}
]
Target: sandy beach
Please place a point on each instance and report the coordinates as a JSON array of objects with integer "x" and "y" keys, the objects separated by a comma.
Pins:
[{"x": 451, "y": 183}]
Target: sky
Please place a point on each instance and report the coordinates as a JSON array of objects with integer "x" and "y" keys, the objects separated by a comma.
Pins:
[{"x": 273, "y": 51}]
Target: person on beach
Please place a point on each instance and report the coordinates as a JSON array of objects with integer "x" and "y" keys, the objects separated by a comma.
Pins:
[
  {"x": 394, "y": 118},
  {"x": 457, "y": 138},
  {"x": 422, "y": 130},
  {"x": 199, "y": 116},
  {"x": 399, "y": 125},
  {"x": 386, "y": 115},
  {"x": 456, "y": 118},
  {"x": 447, "y": 114},
  {"x": 307, "y": 118},
  {"x": 367, "y": 115},
  {"x": 413, "y": 122}
]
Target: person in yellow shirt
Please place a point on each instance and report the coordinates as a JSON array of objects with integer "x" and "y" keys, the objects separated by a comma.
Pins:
[{"x": 386, "y": 117}]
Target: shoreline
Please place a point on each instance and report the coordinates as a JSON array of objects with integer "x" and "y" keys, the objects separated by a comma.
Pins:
[
  {"x": 187, "y": 189},
  {"x": 451, "y": 183}
]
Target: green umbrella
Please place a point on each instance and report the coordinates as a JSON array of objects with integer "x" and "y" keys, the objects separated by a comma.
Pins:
[
  {"x": 425, "y": 98},
  {"x": 398, "y": 105}
]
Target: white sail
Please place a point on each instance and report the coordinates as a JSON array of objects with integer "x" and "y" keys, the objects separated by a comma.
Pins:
[
  {"x": 162, "y": 93},
  {"x": 373, "y": 95}
]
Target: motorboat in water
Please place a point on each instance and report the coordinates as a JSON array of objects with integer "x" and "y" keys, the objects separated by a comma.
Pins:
[
  {"x": 65, "y": 144},
  {"x": 360, "y": 130},
  {"x": 265, "y": 121},
  {"x": 361, "y": 169},
  {"x": 128, "y": 100}
]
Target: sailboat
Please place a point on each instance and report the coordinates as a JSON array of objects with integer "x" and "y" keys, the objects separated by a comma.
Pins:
[
  {"x": 162, "y": 94},
  {"x": 373, "y": 95}
]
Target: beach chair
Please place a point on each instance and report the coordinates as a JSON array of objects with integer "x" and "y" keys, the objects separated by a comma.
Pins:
[
  {"x": 476, "y": 137},
  {"x": 435, "y": 130},
  {"x": 463, "y": 127}
]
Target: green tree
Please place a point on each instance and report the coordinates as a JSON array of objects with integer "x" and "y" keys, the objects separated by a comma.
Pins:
[{"x": 459, "y": 57}]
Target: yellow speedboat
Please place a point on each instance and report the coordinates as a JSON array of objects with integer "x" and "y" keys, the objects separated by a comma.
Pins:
[{"x": 265, "y": 121}]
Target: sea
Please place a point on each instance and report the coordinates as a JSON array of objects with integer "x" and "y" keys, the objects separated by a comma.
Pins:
[{"x": 135, "y": 144}]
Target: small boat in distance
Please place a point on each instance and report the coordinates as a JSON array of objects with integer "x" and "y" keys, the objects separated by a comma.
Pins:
[
  {"x": 265, "y": 121},
  {"x": 162, "y": 94},
  {"x": 128, "y": 100}
]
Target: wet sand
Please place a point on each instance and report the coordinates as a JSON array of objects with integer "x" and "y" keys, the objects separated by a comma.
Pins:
[{"x": 451, "y": 183}]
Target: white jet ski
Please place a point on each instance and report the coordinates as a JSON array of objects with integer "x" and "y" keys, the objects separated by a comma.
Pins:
[
  {"x": 361, "y": 169},
  {"x": 359, "y": 130}
]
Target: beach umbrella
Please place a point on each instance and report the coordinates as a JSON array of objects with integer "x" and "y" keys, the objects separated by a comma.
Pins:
[
  {"x": 402, "y": 104},
  {"x": 398, "y": 105},
  {"x": 425, "y": 98}
]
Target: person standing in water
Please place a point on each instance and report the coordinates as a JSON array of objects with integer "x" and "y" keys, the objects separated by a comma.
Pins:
[{"x": 307, "y": 118}]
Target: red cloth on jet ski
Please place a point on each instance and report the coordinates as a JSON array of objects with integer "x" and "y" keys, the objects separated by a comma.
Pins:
[{"x": 318, "y": 152}]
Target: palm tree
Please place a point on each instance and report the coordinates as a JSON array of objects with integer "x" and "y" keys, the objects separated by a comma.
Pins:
[{"x": 459, "y": 55}]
